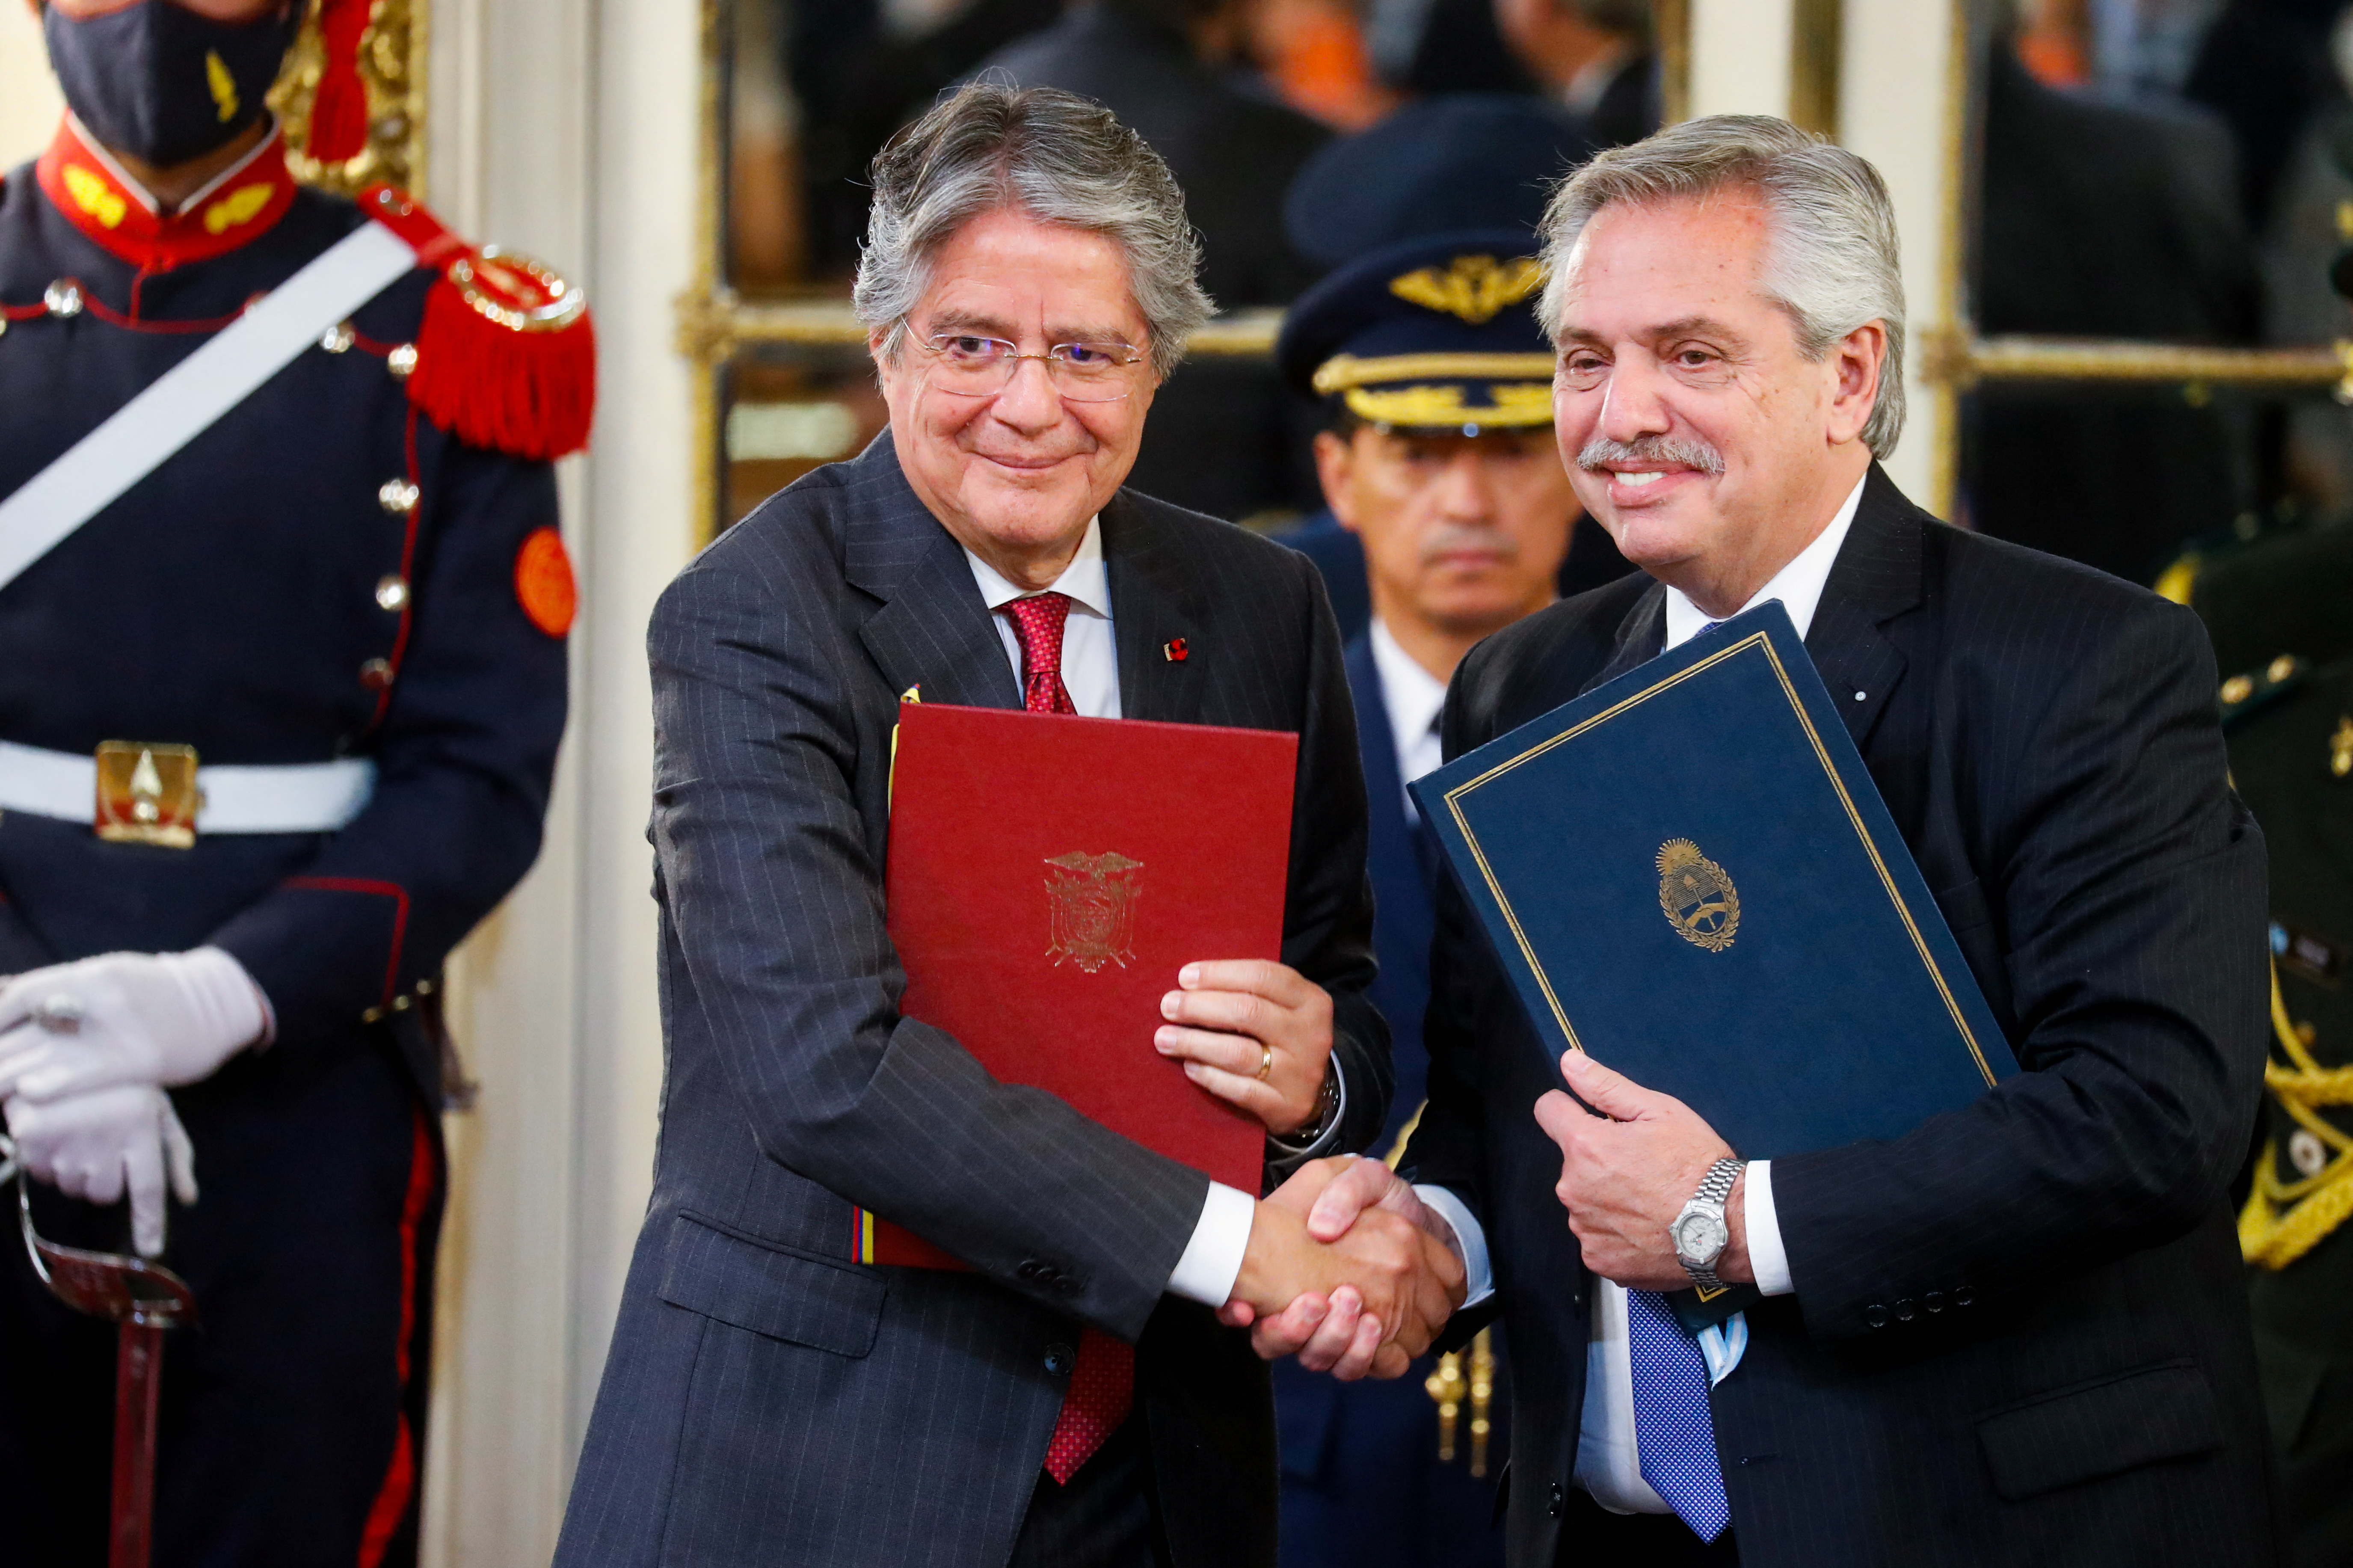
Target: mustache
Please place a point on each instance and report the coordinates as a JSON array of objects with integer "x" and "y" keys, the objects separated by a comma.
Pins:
[
  {"x": 1696, "y": 455},
  {"x": 1457, "y": 536}
]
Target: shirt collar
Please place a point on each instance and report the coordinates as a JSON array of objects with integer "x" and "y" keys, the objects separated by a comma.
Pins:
[
  {"x": 1084, "y": 581},
  {"x": 1413, "y": 696},
  {"x": 1798, "y": 585},
  {"x": 98, "y": 198}
]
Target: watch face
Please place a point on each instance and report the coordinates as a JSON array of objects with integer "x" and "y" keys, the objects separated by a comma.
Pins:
[{"x": 1700, "y": 1238}]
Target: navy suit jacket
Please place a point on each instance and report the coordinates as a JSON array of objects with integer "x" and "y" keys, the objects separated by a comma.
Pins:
[{"x": 2020, "y": 1332}]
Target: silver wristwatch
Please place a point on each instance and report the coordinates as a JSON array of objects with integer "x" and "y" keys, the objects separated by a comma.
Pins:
[{"x": 1699, "y": 1231}]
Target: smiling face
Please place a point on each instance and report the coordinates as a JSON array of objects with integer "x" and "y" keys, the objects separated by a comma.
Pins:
[
  {"x": 1463, "y": 534},
  {"x": 1696, "y": 432},
  {"x": 1015, "y": 475}
]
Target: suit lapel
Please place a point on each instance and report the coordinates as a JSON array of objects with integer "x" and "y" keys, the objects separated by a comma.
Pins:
[
  {"x": 932, "y": 632},
  {"x": 1640, "y": 636},
  {"x": 1155, "y": 612},
  {"x": 1876, "y": 578}
]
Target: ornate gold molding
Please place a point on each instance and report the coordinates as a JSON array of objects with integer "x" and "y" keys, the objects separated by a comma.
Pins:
[
  {"x": 1959, "y": 361},
  {"x": 393, "y": 64}
]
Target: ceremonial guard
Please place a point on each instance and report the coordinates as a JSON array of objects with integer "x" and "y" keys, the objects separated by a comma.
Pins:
[
  {"x": 2288, "y": 715},
  {"x": 282, "y": 616}
]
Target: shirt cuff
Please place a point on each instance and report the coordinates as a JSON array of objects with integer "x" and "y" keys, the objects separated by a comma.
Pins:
[
  {"x": 1213, "y": 1258},
  {"x": 1767, "y": 1258},
  {"x": 1290, "y": 1153},
  {"x": 1477, "y": 1275}
]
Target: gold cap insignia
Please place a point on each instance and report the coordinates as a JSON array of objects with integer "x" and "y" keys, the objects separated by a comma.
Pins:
[
  {"x": 1476, "y": 288},
  {"x": 1091, "y": 900},
  {"x": 1698, "y": 899},
  {"x": 1509, "y": 405}
]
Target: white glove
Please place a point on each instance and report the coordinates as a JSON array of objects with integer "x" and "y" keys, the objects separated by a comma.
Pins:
[
  {"x": 94, "y": 1146},
  {"x": 153, "y": 1018}
]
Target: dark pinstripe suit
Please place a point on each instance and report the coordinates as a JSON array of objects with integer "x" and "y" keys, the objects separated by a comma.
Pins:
[
  {"x": 2019, "y": 1333},
  {"x": 767, "y": 1401}
]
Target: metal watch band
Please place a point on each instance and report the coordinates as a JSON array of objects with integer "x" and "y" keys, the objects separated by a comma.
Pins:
[{"x": 1715, "y": 1189}]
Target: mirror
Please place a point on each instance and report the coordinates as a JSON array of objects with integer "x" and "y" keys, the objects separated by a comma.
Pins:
[
  {"x": 1237, "y": 94},
  {"x": 2156, "y": 194}
]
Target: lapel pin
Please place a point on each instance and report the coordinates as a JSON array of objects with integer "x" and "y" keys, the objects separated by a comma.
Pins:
[{"x": 1174, "y": 650}]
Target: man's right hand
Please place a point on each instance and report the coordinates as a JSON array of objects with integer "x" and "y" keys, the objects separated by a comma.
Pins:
[{"x": 1346, "y": 1269}]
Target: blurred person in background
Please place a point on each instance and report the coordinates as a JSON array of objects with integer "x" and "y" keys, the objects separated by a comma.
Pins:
[
  {"x": 2106, "y": 219},
  {"x": 1596, "y": 57},
  {"x": 1448, "y": 473},
  {"x": 1457, "y": 163}
]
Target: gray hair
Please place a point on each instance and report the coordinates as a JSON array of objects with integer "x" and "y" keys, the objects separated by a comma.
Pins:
[
  {"x": 989, "y": 146},
  {"x": 1832, "y": 263}
]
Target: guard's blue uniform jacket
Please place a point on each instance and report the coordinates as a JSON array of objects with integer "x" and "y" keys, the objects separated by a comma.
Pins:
[{"x": 327, "y": 573}]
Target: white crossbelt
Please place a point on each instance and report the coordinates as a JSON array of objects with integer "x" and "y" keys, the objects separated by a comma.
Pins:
[
  {"x": 299, "y": 798},
  {"x": 184, "y": 401}
]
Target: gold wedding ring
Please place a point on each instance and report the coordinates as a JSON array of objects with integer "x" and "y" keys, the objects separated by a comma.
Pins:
[{"x": 1265, "y": 1062}]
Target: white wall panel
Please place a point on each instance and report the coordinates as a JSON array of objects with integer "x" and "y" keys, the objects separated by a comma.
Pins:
[{"x": 29, "y": 105}]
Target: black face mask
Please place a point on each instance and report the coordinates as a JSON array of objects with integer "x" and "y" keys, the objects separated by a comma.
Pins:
[{"x": 162, "y": 83}]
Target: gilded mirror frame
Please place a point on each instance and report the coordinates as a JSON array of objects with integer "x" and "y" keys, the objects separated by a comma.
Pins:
[
  {"x": 1956, "y": 357},
  {"x": 716, "y": 324}
]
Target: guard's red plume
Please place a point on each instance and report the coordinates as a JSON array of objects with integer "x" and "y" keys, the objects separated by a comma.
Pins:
[{"x": 339, "y": 114}]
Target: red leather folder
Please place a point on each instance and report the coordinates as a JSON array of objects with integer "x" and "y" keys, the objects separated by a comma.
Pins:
[{"x": 1048, "y": 878}]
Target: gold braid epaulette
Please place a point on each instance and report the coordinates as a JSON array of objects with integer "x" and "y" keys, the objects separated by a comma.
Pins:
[{"x": 2285, "y": 1220}]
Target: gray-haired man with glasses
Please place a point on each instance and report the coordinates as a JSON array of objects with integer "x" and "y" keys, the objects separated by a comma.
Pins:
[{"x": 1028, "y": 282}]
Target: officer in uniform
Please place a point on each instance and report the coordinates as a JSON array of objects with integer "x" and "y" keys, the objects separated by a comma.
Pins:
[
  {"x": 1437, "y": 455},
  {"x": 2288, "y": 715},
  {"x": 1443, "y": 167},
  {"x": 281, "y": 680}
]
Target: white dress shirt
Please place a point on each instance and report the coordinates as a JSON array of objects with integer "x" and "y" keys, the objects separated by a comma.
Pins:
[
  {"x": 1213, "y": 1258},
  {"x": 1607, "y": 1465},
  {"x": 1413, "y": 699}
]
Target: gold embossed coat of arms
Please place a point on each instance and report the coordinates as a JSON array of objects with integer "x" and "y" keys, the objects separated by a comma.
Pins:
[
  {"x": 1696, "y": 896},
  {"x": 1092, "y": 903}
]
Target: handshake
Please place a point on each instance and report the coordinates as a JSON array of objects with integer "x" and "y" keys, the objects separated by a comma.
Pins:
[{"x": 1348, "y": 1270}]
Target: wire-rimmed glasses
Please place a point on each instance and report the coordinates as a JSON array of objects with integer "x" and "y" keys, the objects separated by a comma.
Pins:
[{"x": 971, "y": 364}]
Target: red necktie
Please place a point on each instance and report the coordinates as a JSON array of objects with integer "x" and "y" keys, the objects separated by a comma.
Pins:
[
  {"x": 1038, "y": 626},
  {"x": 1102, "y": 1383}
]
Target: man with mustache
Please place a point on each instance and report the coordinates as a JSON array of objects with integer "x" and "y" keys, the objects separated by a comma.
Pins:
[
  {"x": 278, "y": 713},
  {"x": 2019, "y": 1333},
  {"x": 1026, "y": 283},
  {"x": 1446, "y": 471}
]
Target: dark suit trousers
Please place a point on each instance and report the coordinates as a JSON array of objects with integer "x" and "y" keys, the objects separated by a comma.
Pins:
[
  {"x": 1593, "y": 1537},
  {"x": 1107, "y": 1517}
]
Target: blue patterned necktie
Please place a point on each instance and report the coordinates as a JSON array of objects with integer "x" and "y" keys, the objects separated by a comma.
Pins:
[{"x": 1674, "y": 1433}]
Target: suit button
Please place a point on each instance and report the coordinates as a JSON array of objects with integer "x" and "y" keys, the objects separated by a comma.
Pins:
[
  {"x": 1030, "y": 1268},
  {"x": 1965, "y": 1297},
  {"x": 1063, "y": 1285},
  {"x": 1555, "y": 1501},
  {"x": 1059, "y": 1359},
  {"x": 1875, "y": 1315},
  {"x": 1934, "y": 1301},
  {"x": 1905, "y": 1308}
]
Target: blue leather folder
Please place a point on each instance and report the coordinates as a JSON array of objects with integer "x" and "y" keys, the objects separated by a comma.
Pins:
[{"x": 1689, "y": 874}]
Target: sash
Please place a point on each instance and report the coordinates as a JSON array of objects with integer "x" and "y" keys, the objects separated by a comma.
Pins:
[{"x": 189, "y": 398}]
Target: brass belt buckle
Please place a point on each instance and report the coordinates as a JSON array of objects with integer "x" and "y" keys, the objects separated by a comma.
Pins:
[{"x": 147, "y": 793}]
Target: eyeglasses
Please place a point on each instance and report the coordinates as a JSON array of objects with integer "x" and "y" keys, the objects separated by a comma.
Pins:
[{"x": 971, "y": 366}]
